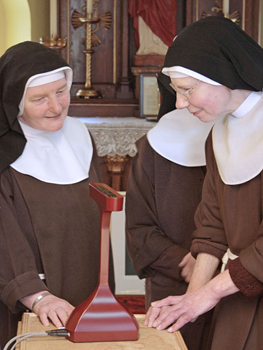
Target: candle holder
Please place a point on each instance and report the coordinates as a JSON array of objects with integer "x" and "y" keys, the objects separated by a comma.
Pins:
[
  {"x": 221, "y": 9},
  {"x": 88, "y": 91},
  {"x": 53, "y": 42},
  {"x": 91, "y": 25}
]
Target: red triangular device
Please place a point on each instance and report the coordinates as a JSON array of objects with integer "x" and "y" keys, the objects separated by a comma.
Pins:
[{"x": 101, "y": 317}]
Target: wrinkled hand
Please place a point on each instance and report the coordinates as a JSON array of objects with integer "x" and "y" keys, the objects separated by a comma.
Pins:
[
  {"x": 187, "y": 265},
  {"x": 54, "y": 309},
  {"x": 49, "y": 308},
  {"x": 175, "y": 311}
]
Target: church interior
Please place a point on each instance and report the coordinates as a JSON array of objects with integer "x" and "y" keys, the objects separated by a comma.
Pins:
[
  {"x": 116, "y": 55},
  {"x": 114, "y": 86},
  {"x": 121, "y": 69}
]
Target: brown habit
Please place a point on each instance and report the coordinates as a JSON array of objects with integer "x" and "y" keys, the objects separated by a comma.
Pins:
[
  {"x": 51, "y": 229},
  {"x": 161, "y": 200},
  {"x": 231, "y": 216}
]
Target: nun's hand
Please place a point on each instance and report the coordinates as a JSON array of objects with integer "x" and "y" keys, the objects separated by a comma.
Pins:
[
  {"x": 54, "y": 309},
  {"x": 176, "y": 311},
  {"x": 49, "y": 308},
  {"x": 187, "y": 265}
]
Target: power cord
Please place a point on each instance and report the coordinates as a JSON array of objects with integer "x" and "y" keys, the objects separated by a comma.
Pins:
[{"x": 61, "y": 332}]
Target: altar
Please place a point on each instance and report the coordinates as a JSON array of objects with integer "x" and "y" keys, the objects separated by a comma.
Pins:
[{"x": 115, "y": 140}]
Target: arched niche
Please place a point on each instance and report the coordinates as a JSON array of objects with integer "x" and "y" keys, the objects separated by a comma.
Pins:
[
  {"x": 2, "y": 29},
  {"x": 23, "y": 20},
  {"x": 40, "y": 18},
  {"x": 16, "y": 25}
]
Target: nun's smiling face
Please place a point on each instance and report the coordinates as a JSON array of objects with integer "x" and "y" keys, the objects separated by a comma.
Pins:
[
  {"x": 46, "y": 106},
  {"x": 205, "y": 101}
]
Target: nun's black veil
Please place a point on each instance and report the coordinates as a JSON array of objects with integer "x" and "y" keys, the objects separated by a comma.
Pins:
[
  {"x": 220, "y": 50},
  {"x": 17, "y": 65},
  {"x": 168, "y": 96}
]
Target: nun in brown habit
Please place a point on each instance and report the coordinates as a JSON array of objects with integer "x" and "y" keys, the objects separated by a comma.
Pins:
[
  {"x": 49, "y": 226},
  {"x": 217, "y": 72},
  {"x": 163, "y": 192}
]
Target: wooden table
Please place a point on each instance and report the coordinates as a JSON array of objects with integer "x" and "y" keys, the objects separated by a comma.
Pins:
[{"x": 149, "y": 339}]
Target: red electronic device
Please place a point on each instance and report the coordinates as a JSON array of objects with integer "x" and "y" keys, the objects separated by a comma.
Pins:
[{"x": 101, "y": 317}]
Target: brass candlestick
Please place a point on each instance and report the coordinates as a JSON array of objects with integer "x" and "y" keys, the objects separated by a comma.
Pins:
[
  {"x": 53, "y": 42},
  {"x": 88, "y": 91},
  {"x": 218, "y": 10},
  {"x": 91, "y": 40}
]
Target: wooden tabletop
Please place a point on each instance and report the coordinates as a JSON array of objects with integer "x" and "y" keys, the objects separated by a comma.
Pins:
[{"x": 149, "y": 339}]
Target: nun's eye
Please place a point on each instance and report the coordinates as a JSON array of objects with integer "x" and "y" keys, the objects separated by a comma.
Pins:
[
  {"x": 184, "y": 92},
  {"x": 38, "y": 99},
  {"x": 60, "y": 91}
]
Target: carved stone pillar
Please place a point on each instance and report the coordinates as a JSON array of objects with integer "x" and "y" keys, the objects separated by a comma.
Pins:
[{"x": 115, "y": 142}]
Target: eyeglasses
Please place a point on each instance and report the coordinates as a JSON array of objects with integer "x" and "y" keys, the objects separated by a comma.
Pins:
[{"x": 183, "y": 92}]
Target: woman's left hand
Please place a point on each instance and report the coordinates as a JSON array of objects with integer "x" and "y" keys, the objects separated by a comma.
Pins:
[{"x": 175, "y": 311}]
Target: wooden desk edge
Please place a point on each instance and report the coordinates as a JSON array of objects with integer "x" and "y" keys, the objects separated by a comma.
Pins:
[{"x": 23, "y": 327}]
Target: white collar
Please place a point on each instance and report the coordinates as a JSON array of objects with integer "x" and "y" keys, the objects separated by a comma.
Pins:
[
  {"x": 238, "y": 142},
  {"x": 61, "y": 157},
  {"x": 180, "y": 137},
  {"x": 248, "y": 104}
]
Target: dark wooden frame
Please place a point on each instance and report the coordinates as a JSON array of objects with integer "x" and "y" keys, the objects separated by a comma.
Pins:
[
  {"x": 121, "y": 92},
  {"x": 110, "y": 61},
  {"x": 248, "y": 10},
  {"x": 143, "y": 87}
]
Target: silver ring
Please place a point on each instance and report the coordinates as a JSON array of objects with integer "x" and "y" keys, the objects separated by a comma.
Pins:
[{"x": 50, "y": 311}]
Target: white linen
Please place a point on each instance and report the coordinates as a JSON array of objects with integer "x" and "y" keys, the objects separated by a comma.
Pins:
[
  {"x": 238, "y": 142},
  {"x": 61, "y": 157},
  {"x": 180, "y": 137},
  {"x": 181, "y": 72}
]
